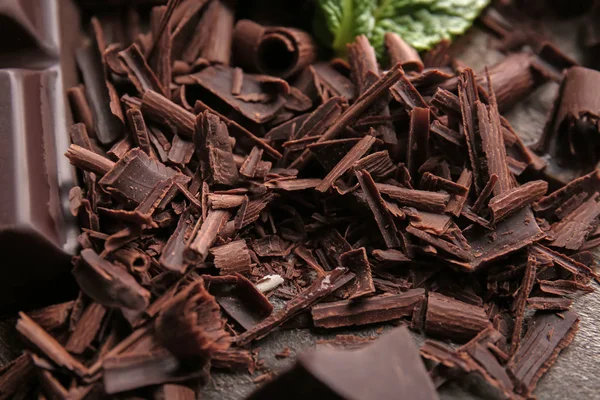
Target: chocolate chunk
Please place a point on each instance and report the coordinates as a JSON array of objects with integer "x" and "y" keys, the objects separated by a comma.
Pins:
[
  {"x": 393, "y": 359},
  {"x": 134, "y": 176}
]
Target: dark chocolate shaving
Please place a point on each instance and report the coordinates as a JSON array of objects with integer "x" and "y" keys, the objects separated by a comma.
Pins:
[
  {"x": 214, "y": 150},
  {"x": 108, "y": 283},
  {"x": 546, "y": 337},
  {"x": 367, "y": 311},
  {"x": 320, "y": 288},
  {"x": 447, "y": 317}
]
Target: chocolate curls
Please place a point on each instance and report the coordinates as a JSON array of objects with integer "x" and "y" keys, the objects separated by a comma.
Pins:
[{"x": 277, "y": 51}]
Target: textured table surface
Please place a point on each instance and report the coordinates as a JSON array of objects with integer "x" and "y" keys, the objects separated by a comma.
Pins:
[{"x": 576, "y": 373}]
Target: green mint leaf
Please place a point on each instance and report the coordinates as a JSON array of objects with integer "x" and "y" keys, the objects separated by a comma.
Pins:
[
  {"x": 339, "y": 21},
  {"x": 421, "y": 23}
]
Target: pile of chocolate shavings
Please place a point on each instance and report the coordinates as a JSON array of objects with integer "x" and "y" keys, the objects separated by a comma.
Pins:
[{"x": 223, "y": 165}]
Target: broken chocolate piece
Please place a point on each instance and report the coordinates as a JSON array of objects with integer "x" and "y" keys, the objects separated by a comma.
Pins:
[
  {"x": 108, "y": 283},
  {"x": 232, "y": 257},
  {"x": 347, "y": 162},
  {"x": 450, "y": 318},
  {"x": 198, "y": 247},
  {"x": 214, "y": 150},
  {"x": 356, "y": 261},
  {"x": 420, "y": 199},
  {"x": 382, "y": 216},
  {"x": 521, "y": 300},
  {"x": 239, "y": 299},
  {"x": 393, "y": 359}
]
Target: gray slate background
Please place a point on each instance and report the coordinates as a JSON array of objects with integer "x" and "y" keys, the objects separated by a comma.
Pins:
[{"x": 576, "y": 374}]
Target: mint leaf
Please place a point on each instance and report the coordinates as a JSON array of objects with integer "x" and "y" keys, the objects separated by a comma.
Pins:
[
  {"x": 421, "y": 23},
  {"x": 338, "y": 22}
]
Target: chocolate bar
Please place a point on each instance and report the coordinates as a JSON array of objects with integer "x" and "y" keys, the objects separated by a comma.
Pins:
[{"x": 37, "y": 231}]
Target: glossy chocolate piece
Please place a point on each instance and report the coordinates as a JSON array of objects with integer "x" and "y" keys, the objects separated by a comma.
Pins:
[
  {"x": 37, "y": 233},
  {"x": 389, "y": 368}
]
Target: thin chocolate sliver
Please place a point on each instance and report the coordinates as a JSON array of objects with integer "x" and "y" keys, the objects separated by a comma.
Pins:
[
  {"x": 87, "y": 328},
  {"x": 549, "y": 303},
  {"x": 418, "y": 139},
  {"x": 198, "y": 248},
  {"x": 370, "y": 310},
  {"x": 546, "y": 337},
  {"x": 420, "y": 199},
  {"x": 46, "y": 344},
  {"x": 107, "y": 126},
  {"x": 237, "y": 129},
  {"x": 172, "y": 257},
  {"x": 354, "y": 111},
  {"x": 138, "y": 70},
  {"x": 570, "y": 232},
  {"x": 80, "y": 108},
  {"x": 161, "y": 110},
  {"x": 456, "y": 203},
  {"x": 220, "y": 16},
  {"x": 320, "y": 288},
  {"x": 356, "y": 261},
  {"x": 217, "y": 80},
  {"x": 563, "y": 287},
  {"x": 381, "y": 214},
  {"x": 346, "y": 163},
  {"x": 160, "y": 58},
  {"x": 509, "y": 202},
  {"x": 137, "y": 126},
  {"x": 521, "y": 300}
]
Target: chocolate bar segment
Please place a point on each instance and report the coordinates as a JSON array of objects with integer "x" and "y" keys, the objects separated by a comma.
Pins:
[{"x": 37, "y": 231}]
